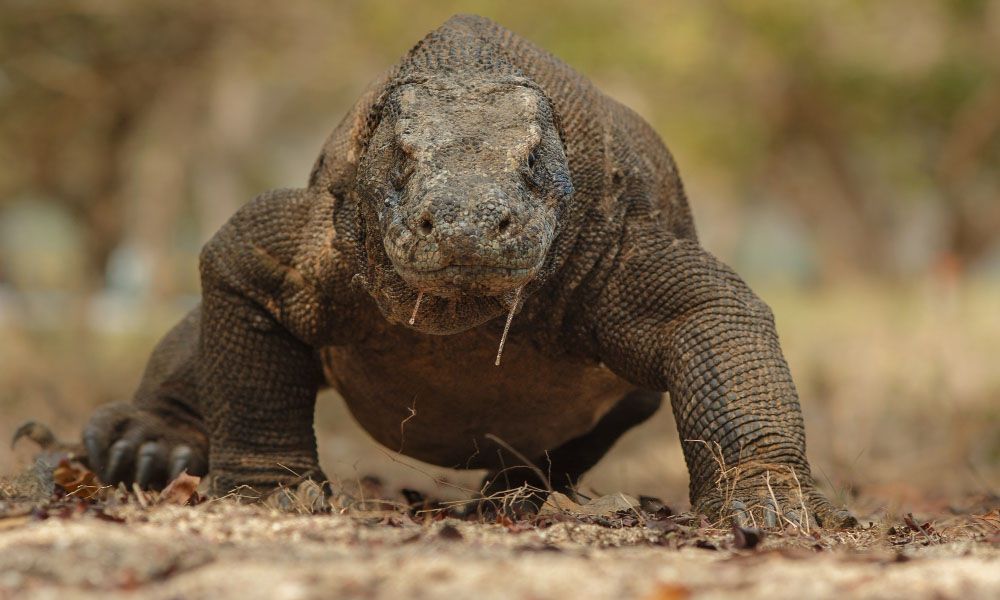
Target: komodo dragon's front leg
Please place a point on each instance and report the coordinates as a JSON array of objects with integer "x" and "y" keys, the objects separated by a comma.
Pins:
[
  {"x": 671, "y": 317},
  {"x": 246, "y": 371}
]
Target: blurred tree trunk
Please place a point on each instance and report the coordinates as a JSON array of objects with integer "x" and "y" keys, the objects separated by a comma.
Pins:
[
  {"x": 810, "y": 164},
  {"x": 232, "y": 131},
  {"x": 160, "y": 161}
]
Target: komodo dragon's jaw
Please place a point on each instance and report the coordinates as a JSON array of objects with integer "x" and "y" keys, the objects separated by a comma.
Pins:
[{"x": 460, "y": 187}]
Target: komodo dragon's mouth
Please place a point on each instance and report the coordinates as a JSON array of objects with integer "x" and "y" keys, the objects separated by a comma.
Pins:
[{"x": 458, "y": 279}]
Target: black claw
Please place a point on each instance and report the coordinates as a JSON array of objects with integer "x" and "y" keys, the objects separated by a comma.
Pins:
[
  {"x": 120, "y": 459},
  {"x": 150, "y": 464},
  {"x": 770, "y": 513},
  {"x": 36, "y": 432},
  {"x": 846, "y": 518},
  {"x": 94, "y": 449},
  {"x": 795, "y": 517},
  {"x": 181, "y": 458},
  {"x": 739, "y": 513},
  {"x": 283, "y": 499}
]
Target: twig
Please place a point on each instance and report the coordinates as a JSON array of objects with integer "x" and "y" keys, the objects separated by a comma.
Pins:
[{"x": 522, "y": 458}]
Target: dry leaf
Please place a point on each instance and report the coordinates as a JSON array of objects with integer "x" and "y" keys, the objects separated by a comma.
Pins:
[
  {"x": 604, "y": 506},
  {"x": 610, "y": 504},
  {"x": 558, "y": 503},
  {"x": 76, "y": 480},
  {"x": 655, "y": 507},
  {"x": 181, "y": 490}
]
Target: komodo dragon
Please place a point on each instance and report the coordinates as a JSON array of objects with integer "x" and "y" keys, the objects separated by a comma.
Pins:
[{"x": 481, "y": 191}]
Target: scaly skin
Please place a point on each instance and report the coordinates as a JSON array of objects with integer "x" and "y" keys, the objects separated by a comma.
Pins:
[{"x": 479, "y": 178}]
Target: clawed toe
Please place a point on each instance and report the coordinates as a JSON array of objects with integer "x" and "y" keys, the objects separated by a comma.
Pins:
[
  {"x": 773, "y": 507},
  {"x": 770, "y": 513},
  {"x": 740, "y": 513},
  {"x": 36, "y": 432},
  {"x": 125, "y": 444},
  {"x": 838, "y": 519},
  {"x": 121, "y": 457},
  {"x": 184, "y": 458},
  {"x": 150, "y": 464},
  {"x": 306, "y": 497}
]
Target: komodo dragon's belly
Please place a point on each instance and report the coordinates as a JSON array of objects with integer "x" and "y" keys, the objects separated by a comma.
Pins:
[{"x": 440, "y": 399}]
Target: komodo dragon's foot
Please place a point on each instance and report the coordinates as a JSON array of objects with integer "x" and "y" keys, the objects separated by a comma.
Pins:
[
  {"x": 773, "y": 498},
  {"x": 306, "y": 497},
  {"x": 308, "y": 491},
  {"x": 126, "y": 444},
  {"x": 285, "y": 476}
]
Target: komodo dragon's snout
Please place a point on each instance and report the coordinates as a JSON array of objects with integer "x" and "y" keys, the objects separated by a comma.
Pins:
[{"x": 464, "y": 178}]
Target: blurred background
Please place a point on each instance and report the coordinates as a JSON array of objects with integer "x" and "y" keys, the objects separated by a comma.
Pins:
[{"x": 842, "y": 155}]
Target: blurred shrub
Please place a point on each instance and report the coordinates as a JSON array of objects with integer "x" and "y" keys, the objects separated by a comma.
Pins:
[{"x": 871, "y": 129}]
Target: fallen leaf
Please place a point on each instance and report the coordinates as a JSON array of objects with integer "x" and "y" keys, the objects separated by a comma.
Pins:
[
  {"x": 558, "y": 503},
  {"x": 926, "y": 528},
  {"x": 604, "y": 506},
  {"x": 655, "y": 507},
  {"x": 181, "y": 490},
  {"x": 610, "y": 504},
  {"x": 75, "y": 480}
]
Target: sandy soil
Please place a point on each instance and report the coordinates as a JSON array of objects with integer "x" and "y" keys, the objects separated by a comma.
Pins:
[{"x": 121, "y": 545}]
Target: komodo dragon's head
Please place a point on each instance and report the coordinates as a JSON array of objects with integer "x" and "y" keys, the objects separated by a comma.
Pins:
[{"x": 460, "y": 183}]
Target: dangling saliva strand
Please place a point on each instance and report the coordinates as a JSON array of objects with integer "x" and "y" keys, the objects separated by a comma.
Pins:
[
  {"x": 416, "y": 307},
  {"x": 506, "y": 327}
]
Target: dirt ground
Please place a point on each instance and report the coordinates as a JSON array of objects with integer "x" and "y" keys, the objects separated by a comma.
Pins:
[
  {"x": 901, "y": 394},
  {"x": 124, "y": 545},
  {"x": 223, "y": 549}
]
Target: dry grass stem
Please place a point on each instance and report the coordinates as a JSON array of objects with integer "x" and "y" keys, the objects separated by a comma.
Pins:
[
  {"x": 802, "y": 501},
  {"x": 402, "y": 424},
  {"x": 524, "y": 459}
]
